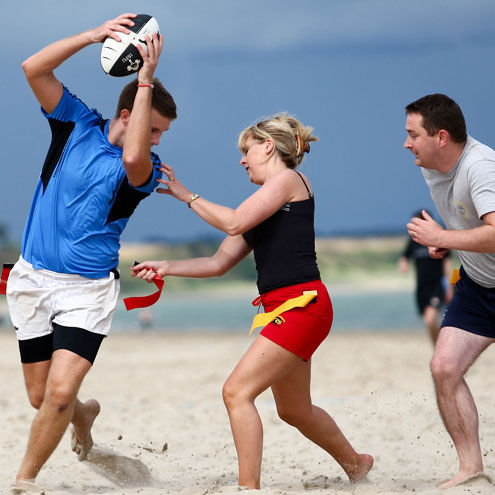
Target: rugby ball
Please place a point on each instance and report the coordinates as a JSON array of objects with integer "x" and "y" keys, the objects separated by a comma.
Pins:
[{"x": 121, "y": 58}]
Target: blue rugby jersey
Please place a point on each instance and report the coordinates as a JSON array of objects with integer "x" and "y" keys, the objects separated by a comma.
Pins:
[{"x": 83, "y": 199}]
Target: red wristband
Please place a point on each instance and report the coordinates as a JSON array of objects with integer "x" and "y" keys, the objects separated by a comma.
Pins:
[{"x": 144, "y": 85}]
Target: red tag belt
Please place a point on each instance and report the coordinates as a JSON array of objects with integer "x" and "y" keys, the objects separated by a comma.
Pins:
[
  {"x": 130, "y": 302},
  {"x": 5, "y": 275},
  {"x": 145, "y": 301}
]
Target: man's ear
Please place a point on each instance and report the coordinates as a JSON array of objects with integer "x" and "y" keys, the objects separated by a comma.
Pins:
[
  {"x": 124, "y": 116},
  {"x": 443, "y": 137}
]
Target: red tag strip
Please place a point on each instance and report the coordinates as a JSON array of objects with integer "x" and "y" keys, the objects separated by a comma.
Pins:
[
  {"x": 5, "y": 275},
  {"x": 257, "y": 301},
  {"x": 145, "y": 301}
]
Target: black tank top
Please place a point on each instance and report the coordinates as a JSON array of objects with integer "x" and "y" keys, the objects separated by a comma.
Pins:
[{"x": 284, "y": 246}]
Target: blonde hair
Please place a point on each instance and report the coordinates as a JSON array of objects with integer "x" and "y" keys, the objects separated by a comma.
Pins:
[{"x": 291, "y": 138}]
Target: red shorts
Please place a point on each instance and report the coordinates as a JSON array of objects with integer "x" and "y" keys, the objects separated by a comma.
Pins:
[{"x": 299, "y": 330}]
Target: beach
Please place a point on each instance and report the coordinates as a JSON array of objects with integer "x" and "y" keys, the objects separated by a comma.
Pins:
[{"x": 163, "y": 428}]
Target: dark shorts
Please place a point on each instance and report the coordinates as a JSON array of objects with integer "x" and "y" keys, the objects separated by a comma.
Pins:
[
  {"x": 429, "y": 295},
  {"x": 472, "y": 308},
  {"x": 79, "y": 341},
  {"x": 299, "y": 330}
]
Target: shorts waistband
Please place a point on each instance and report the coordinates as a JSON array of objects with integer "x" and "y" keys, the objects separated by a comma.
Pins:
[
  {"x": 468, "y": 279},
  {"x": 289, "y": 291},
  {"x": 60, "y": 276}
]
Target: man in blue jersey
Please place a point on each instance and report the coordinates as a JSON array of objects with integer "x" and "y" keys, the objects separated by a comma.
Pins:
[{"x": 63, "y": 290}]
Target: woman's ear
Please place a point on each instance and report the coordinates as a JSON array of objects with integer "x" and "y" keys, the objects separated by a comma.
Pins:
[{"x": 269, "y": 146}]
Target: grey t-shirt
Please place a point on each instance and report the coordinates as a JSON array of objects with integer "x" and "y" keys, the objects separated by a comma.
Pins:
[{"x": 462, "y": 196}]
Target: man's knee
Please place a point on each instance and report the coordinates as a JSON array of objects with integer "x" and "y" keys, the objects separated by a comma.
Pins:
[
  {"x": 60, "y": 395},
  {"x": 444, "y": 370},
  {"x": 36, "y": 398}
]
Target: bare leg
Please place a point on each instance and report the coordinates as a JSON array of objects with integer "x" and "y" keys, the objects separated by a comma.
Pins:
[
  {"x": 35, "y": 376},
  {"x": 430, "y": 319},
  {"x": 84, "y": 414},
  {"x": 294, "y": 406},
  {"x": 263, "y": 364},
  {"x": 67, "y": 371},
  {"x": 455, "y": 352}
]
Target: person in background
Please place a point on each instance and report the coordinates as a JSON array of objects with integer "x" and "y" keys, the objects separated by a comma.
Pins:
[
  {"x": 145, "y": 319},
  {"x": 433, "y": 289},
  {"x": 277, "y": 223},
  {"x": 460, "y": 173}
]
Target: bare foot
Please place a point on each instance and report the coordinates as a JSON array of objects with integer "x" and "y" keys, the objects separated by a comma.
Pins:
[
  {"x": 462, "y": 478},
  {"x": 82, "y": 441},
  {"x": 359, "y": 471},
  {"x": 24, "y": 486}
]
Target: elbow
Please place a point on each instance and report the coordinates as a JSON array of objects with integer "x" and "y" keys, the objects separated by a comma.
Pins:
[
  {"x": 137, "y": 174},
  {"x": 130, "y": 160},
  {"x": 221, "y": 271},
  {"x": 28, "y": 69},
  {"x": 234, "y": 229},
  {"x": 218, "y": 267}
]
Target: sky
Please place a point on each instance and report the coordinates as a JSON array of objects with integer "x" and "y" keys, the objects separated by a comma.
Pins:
[{"x": 345, "y": 67}]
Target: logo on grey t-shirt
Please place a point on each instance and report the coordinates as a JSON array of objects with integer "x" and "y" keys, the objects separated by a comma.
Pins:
[{"x": 461, "y": 209}]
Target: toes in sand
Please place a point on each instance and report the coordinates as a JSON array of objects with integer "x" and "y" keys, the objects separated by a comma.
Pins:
[{"x": 24, "y": 486}]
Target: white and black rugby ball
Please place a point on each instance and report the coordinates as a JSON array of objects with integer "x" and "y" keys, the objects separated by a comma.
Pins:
[{"x": 121, "y": 58}]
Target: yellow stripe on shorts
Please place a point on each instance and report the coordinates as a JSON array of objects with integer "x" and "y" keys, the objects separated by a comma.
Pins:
[{"x": 263, "y": 319}]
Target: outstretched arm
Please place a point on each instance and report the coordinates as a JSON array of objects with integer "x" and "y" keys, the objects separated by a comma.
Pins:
[
  {"x": 279, "y": 189},
  {"x": 429, "y": 233},
  {"x": 231, "y": 251},
  {"x": 39, "y": 67}
]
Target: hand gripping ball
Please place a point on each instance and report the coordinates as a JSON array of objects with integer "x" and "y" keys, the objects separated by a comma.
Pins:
[{"x": 121, "y": 58}]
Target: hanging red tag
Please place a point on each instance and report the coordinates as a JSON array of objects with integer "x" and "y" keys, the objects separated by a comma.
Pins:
[
  {"x": 5, "y": 275},
  {"x": 257, "y": 301},
  {"x": 145, "y": 301}
]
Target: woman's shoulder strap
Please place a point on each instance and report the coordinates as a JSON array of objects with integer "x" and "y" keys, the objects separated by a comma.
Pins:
[{"x": 305, "y": 185}]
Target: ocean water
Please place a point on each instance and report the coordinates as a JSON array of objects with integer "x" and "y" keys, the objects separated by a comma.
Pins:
[{"x": 353, "y": 311}]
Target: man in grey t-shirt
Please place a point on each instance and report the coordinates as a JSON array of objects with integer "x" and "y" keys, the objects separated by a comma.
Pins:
[{"x": 460, "y": 173}]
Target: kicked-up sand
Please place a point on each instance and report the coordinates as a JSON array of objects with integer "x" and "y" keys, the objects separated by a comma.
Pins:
[{"x": 163, "y": 428}]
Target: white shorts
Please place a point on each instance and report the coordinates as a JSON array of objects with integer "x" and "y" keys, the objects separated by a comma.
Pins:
[{"x": 39, "y": 298}]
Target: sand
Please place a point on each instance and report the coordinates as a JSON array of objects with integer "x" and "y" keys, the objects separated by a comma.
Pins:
[{"x": 163, "y": 428}]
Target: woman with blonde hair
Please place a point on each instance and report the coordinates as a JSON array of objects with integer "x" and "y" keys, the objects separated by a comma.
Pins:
[{"x": 277, "y": 223}]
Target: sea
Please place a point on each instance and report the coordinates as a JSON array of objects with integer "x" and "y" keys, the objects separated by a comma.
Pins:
[{"x": 354, "y": 311}]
